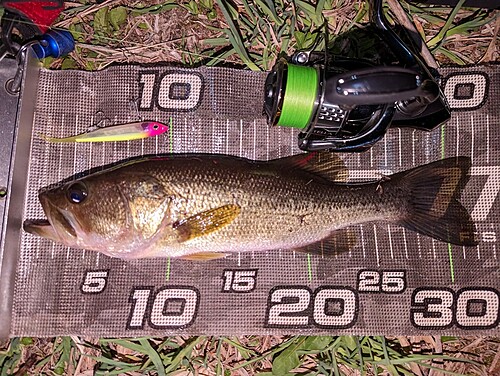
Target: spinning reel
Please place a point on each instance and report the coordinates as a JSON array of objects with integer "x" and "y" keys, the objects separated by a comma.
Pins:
[{"x": 345, "y": 98}]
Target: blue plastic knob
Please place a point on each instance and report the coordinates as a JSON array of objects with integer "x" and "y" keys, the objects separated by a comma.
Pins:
[{"x": 55, "y": 43}]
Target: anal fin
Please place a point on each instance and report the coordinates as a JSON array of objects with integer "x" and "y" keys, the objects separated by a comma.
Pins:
[
  {"x": 339, "y": 241},
  {"x": 204, "y": 256}
]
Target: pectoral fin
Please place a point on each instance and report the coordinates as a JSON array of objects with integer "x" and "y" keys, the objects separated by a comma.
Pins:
[
  {"x": 205, "y": 222},
  {"x": 204, "y": 256}
]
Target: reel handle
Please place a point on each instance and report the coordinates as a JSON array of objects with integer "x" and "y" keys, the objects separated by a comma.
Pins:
[{"x": 372, "y": 86}]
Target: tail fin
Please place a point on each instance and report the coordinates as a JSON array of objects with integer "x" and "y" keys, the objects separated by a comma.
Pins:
[{"x": 434, "y": 210}]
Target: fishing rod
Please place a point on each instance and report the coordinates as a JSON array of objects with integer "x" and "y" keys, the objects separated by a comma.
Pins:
[{"x": 345, "y": 97}]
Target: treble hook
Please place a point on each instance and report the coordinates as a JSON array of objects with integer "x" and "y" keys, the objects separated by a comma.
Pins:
[
  {"x": 100, "y": 123},
  {"x": 134, "y": 107}
]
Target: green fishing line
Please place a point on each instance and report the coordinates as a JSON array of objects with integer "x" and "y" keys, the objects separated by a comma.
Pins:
[{"x": 300, "y": 94}]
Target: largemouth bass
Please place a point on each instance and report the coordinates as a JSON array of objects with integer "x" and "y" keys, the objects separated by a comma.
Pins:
[{"x": 208, "y": 206}]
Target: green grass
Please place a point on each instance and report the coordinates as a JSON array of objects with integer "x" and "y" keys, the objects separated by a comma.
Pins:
[
  {"x": 297, "y": 355},
  {"x": 251, "y": 33}
]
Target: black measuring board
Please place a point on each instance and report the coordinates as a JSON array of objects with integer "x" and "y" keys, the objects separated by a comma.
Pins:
[{"x": 393, "y": 282}]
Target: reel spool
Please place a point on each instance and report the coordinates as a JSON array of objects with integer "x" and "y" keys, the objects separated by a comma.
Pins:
[{"x": 347, "y": 104}]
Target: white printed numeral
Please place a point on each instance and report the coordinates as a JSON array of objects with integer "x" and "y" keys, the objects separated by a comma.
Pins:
[
  {"x": 169, "y": 307},
  {"x": 95, "y": 282},
  {"x": 488, "y": 194},
  {"x": 297, "y": 307},
  {"x": 477, "y": 84},
  {"x": 432, "y": 308},
  {"x": 173, "y": 90},
  {"x": 386, "y": 281},
  {"x": 468, "y": 308},
  {"x": 147, "y": 81},
  {"x": 288, "y": 306},
  {"x": 239, "y": 280},
  {"x": 344, "y": 310}
]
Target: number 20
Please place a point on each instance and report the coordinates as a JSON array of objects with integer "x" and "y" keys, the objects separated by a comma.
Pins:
[{"x": 328, "y": 307}]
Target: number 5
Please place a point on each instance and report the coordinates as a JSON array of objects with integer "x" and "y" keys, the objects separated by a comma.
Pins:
[{"x": 95, "y": 282}]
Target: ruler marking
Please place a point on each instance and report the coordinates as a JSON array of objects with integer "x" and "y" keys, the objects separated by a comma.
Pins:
[
  {"x": 75, "y": 146},
  {"x": 214, "y": 144},
  {"x": 405, "y": 243},
  {"x": 478, "y": 253},
  {"x": 363, "y": 241},
  {"x": 171, "y": 136},
  {"x": 255, "y": 139},
  {"x": 227, "y": 136},
  {"x": 241, "y": 138},
  {"x": 472, "y": 139},
  {"x": 376, "y": 244},
  {"x": 279, "y": 144},
  {"x": 413, "y": 147},
  {"x": 267, "y": 143},
  {"x": 400, "y": 147},
  {"x": 385, "y": 151},
  {"x": 309, "y": 267},
  {"x": 156, "y": 145},
  {"x": 168, "y": 269},
  {"x": 487, "y": 138},
  {"x": 452, "y": 268},
  {"x": 427, "y": 143},
  {"x": 442, "y": 142},
  {"x": 390, "y": 241}
]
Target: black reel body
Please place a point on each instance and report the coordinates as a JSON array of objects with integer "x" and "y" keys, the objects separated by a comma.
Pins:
[{"x": 345, "y": 98}]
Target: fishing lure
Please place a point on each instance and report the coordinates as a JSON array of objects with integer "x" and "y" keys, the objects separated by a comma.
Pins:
[{"x": 123, "y": 132}]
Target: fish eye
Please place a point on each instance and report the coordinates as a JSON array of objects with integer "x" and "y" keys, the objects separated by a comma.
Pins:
[{"x": 77, "y": 192}]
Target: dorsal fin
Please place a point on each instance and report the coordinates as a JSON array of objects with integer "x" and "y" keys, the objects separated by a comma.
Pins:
[{"x": 321, "y": 163}]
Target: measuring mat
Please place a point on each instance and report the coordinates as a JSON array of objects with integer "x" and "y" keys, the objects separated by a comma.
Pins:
[{"x": 393, "y": 282}]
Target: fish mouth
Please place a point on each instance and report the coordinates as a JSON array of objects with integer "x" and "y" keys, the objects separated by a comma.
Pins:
[{"x": 58, "y": 226}]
